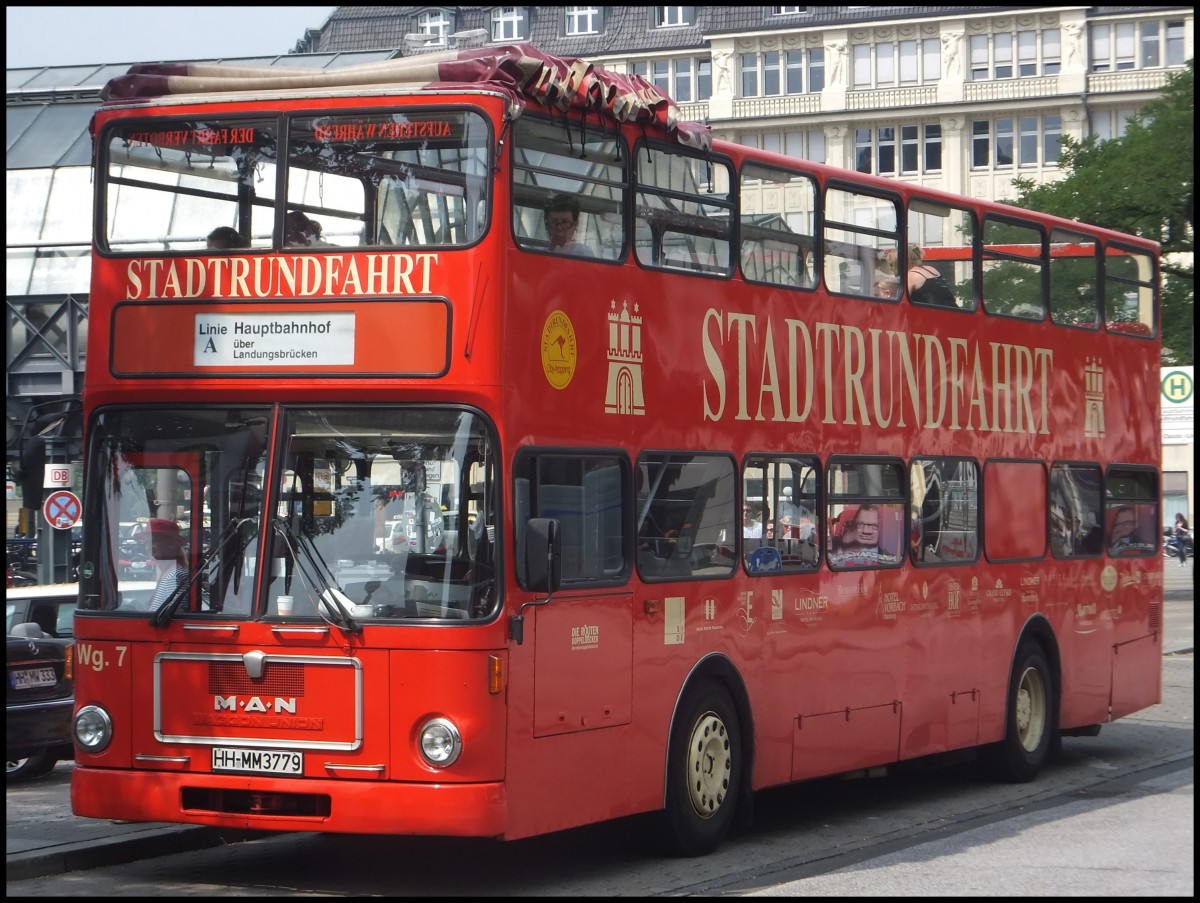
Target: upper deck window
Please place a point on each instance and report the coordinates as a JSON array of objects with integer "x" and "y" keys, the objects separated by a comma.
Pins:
[
  {"x": 386, "y": 179},
  {"x": 392, "y": 178},
  {"x": 169, "y": 183}
]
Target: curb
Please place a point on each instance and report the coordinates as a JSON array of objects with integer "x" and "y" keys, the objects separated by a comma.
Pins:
[{"x": 155, "y": 841}]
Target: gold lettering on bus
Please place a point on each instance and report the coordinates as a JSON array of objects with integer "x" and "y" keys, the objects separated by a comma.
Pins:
[
  {"x": 842, "y": 374},
  {"x": 290, "y": 276}
]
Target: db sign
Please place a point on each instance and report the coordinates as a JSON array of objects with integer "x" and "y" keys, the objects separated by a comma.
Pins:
[{"x": 58, "y": 475}]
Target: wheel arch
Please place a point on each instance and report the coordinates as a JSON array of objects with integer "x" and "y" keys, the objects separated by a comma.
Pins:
[
  {"x": 1037, "y": 629},
  {"x": 716, "y": 666}
]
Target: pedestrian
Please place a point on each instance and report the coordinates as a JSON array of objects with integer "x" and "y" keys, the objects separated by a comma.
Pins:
[{"x": 1181, "y": 538}]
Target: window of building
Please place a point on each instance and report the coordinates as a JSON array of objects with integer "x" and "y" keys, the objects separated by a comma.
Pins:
[
  {"x": 1150, "y": 45},
  {"x": 436, "y": 24},
  {"x": 773, "y": 73},
  {"x": 1126, "y": 45},
  {"x": 1018, "y": 54},
  {"x": 509, "y": 23},
  {"x": 1111, "y": 123},
  {"x": 933, "y": 148},
  {"x": 886, "y": 150},
  {"x": 672, "y": 16},
  {"x": 886, "y": 64},
  {"x": 685, "y": 79},
  {"x": 1028, "y": 140},
  {"x": 919, "y": 149},
  {"x": 582, "y": 20},
  {"x": 1175, "y": 56},
  {"x": 1113, "y": 47}
]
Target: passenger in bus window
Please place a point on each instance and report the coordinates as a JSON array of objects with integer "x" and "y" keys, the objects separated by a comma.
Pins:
[
  {"x": 562, "y": 218},
  {"x": 886, "y": 287},
  {"x": 926, "y": 284},
  {"x": 166, "y": 548},
  {"x": 224, "y": 238},
  {"x": 752, "y": 527},
  {"x": 856, "y": 536},
  {"x": 299, "y": 230},
  {"x": 1123, "y": 538}
]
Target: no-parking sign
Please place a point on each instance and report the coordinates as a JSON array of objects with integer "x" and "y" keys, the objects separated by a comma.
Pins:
[{"x": 62, "y": 509}]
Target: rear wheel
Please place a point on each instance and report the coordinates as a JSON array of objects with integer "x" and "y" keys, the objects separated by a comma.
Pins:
[
  {"x": 40, "y": 763},
  {"x": 1031, "y": 721},
  {"x": 703, "y": 772}
]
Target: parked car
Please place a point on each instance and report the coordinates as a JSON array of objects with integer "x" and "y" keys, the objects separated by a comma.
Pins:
[{"x": 40, "y": 692}]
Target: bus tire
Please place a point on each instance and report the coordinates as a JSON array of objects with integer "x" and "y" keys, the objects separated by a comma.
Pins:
[
  {"x": 1030, "y": 722},
  {"x": 704, "y": 770}
]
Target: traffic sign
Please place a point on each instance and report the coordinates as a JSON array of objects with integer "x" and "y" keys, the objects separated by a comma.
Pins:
[{"x": 62, "y": 509}]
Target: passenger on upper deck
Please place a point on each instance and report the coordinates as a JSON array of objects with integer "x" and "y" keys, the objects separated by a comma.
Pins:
[
  {"x": 299, "y": 230},
  {"x": 926, "y": 284},
  {"x": 562, "y": 218},
  {"x": 224, "y": 238}
]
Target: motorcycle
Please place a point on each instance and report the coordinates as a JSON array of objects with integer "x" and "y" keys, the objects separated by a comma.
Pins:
[{"x": 1171, "y": 543}]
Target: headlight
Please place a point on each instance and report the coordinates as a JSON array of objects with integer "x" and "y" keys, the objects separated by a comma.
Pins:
[
  {"x": 93, "y": 728},
  {"x": 441, "y": 743}
]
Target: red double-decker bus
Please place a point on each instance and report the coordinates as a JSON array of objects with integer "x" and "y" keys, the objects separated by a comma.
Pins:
[{"x": 514, "y": 456}]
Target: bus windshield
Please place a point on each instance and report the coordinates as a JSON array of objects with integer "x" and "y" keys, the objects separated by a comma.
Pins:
[
  {"x": 382, "y": 178},
  {"x": 373, "y": 513}
]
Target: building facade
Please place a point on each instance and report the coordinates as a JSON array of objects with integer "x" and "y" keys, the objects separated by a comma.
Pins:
[{"x": 959, "y": 98}]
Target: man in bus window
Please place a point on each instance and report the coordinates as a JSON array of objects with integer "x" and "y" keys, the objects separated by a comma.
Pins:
[
  {"x": 562, "y": 218},
  {"x": 752, "y": 527},
  {"x": 856, "y": 538},
  {"x": 1123, "y": 538}
]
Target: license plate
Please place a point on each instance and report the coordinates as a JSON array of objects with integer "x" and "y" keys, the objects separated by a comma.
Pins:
[
  {"x": 259, "y": 761},
  {"x": 33, "y": 677}
]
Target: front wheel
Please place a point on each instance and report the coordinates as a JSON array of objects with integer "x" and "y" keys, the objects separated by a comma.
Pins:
[
  {"x": 1031, "y": 721},
  {"x": 703, "y": 772}
]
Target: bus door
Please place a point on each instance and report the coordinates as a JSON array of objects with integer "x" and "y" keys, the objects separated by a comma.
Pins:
[{"x": 582, "y": 639}]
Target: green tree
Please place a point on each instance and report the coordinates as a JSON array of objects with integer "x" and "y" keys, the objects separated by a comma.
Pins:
[{"x": 1142, "y": 183}]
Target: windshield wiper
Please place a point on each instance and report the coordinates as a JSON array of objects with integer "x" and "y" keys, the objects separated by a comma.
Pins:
[{"x": 333, "y": 605}]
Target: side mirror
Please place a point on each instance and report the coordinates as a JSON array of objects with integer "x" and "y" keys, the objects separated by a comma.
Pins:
[
  {"x": 543, "y": 568},
  {"x": 543, "y": 555}
]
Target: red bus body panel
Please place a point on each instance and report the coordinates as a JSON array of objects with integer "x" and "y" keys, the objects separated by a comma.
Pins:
[{"x": 839, "y": 670}]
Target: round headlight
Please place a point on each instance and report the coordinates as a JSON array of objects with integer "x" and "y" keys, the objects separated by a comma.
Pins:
[
  {"x": 93, "y": 728},
  {"x": 441, "y": 742}
]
